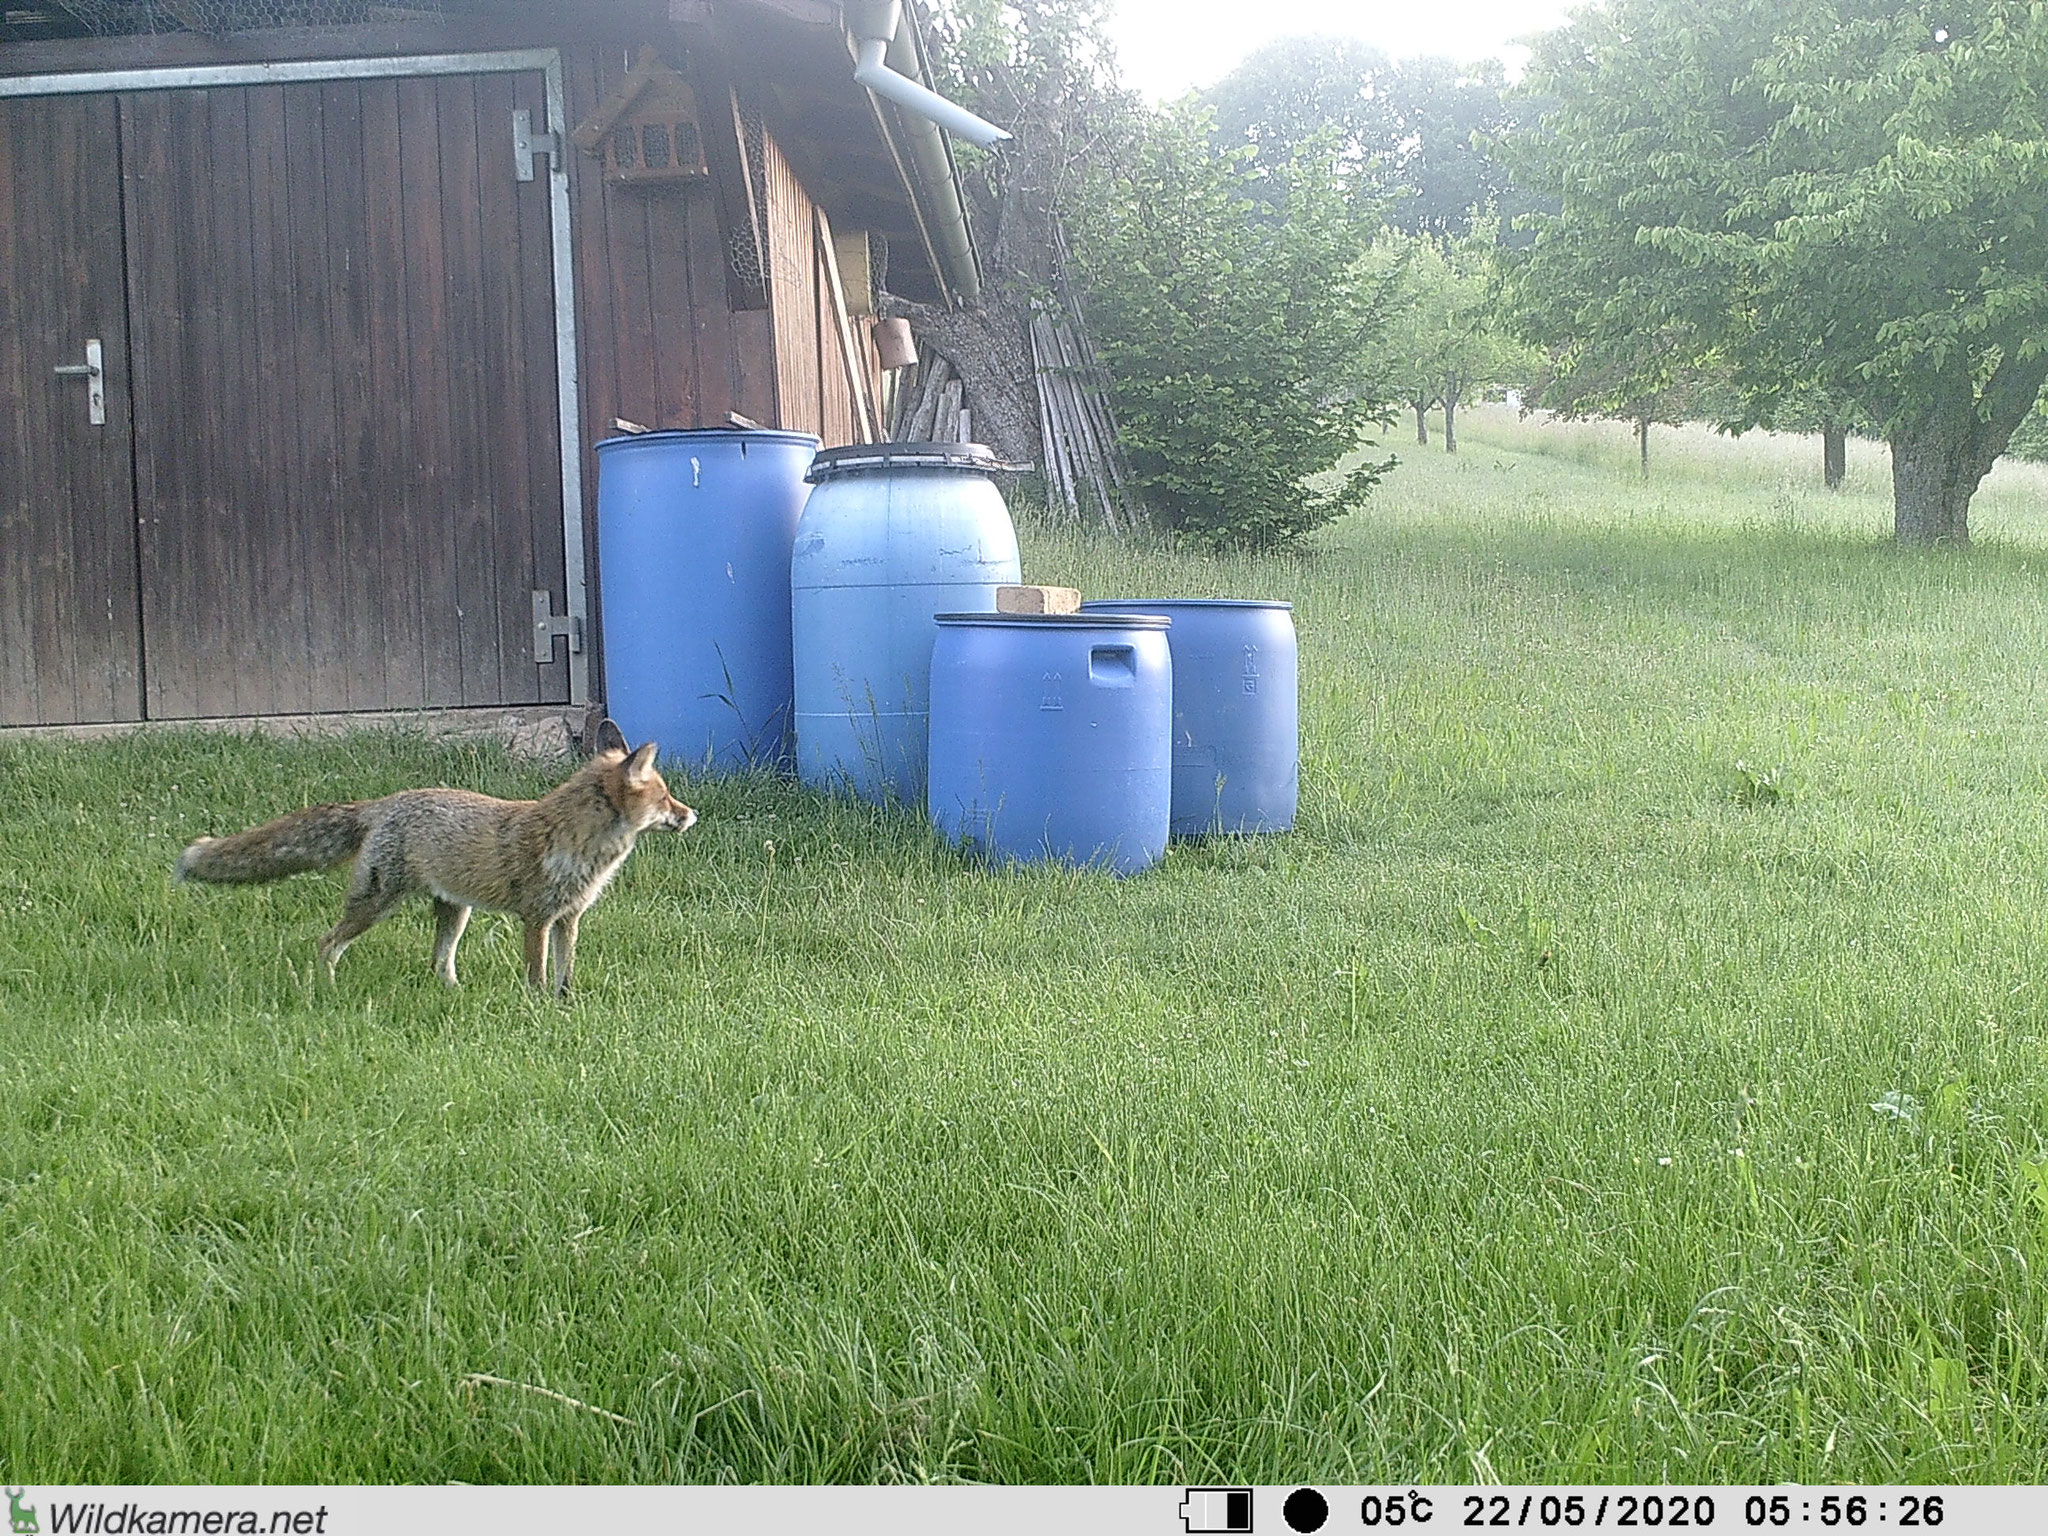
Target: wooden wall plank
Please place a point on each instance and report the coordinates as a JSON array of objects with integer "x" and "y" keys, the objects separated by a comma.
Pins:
[
  {"x": 322, "y": 514},
  {"x": 277, "y": 512},
  {"x": 671, "y": 329},
  {"x": 702, "y": 266},
  {"x": 502, "y": 386},
  {"x": 432, "y": 403},
  {"x": 69, "y": 630},
  {"x": 476, "y": 366},
  {"x": 399, "y": 587},
  {"x": 793, "y": 300},
  {"x": 368, "y": 439}
]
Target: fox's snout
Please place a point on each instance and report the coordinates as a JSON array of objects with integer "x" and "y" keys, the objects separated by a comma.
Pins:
[{"x": 678, "y": 817}]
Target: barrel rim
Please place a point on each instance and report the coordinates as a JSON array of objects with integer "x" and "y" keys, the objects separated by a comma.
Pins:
[
  {"x": 854, "y": 458},
  {"x": 1101, "y": 620},
  {"x": 1110, "y": 604},
  {"x": 712, "y": 435}
]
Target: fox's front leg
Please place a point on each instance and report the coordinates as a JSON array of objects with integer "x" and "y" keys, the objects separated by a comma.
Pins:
[
  {"x": 449, "y": 920},
  {"x": 537, "y": 953},
  {"x": 562, "y": 947}
]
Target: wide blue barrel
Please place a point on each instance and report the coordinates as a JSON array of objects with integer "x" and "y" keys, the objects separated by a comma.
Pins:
[
  {"x": 693, "y": 538},
  {"x": 893, "y": 534},
  {"x": 1236, "y": 712},
  {"x": 1049, "y": 737}
]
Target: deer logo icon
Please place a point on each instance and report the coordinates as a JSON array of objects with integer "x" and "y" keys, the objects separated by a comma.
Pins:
[{"x": 23, "y": 1516}]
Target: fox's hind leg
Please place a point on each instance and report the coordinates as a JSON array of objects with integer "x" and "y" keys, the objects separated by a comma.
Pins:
[
  {"x": 450, "y": 918},
  {"x": 372, "y": 893}
]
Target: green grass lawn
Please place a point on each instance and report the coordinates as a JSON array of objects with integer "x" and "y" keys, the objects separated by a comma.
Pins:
[{"x": 1633, "y": 1068}]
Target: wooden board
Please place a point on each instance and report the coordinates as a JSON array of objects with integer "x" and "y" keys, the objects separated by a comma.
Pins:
[
  {"x": 70, "y": 637},
  {"x": 346, "y": 460}
]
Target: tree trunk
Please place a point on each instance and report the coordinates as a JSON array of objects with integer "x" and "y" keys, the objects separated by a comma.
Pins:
[
  {"x": 1834, "y": 454},
  {"x": 1421, "y": 423},
  {"x": 1940, "y": 456},
  {"x": 1933, "y": 478},
  {"x": 988, "y": 349},
  {"x": 1643, "y": 444},
  {"x": 1451, "y": 419}
]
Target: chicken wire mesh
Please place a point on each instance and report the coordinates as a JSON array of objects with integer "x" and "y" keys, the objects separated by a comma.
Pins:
[{"x": 118, "y": 18}]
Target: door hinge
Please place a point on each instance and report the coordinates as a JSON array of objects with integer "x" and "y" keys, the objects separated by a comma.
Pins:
[
  {"x": 526, "y": 144},
  {"x": 547, "y": 624}
]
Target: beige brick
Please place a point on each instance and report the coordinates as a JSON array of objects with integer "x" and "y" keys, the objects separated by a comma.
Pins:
[{"x": 1038, "y": 600}]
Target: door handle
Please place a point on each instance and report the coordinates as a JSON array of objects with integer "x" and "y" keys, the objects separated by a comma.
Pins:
[{"x": 94, "y": 371}]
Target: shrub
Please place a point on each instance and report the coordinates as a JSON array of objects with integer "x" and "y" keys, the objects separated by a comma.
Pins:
[{"x": 1241, "y": 334}]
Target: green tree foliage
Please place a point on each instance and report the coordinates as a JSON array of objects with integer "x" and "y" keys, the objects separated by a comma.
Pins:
[
  {"x": 1842, "y": 197},
  {"x": 1238, "y": 336},
  {"x": 1448, "y": 342},
  {"x": 1414, "y": 137}
]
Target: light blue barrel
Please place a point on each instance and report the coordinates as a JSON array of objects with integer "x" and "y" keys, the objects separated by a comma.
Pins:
[
  {"x": 893, "y": 534},
  {"x": 1049, "y": 737},
  {"x": 1236, "y": 711},
  {"x": 693, "y": 538}
]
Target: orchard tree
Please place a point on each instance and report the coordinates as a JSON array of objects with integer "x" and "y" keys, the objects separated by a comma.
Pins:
[
  {"x": 1644, "y": 375},
  {"x": 1449, "y": 343},
  {"x": 1847, "y": 197}
]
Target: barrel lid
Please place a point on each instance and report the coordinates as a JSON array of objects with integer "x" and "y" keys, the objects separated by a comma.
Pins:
[
  {"x": 680, "y": 435},
  {"x": 1109, "y": 604},
  {"x": 1059, "y": 620},
  {"x": 856, "y": 457}
]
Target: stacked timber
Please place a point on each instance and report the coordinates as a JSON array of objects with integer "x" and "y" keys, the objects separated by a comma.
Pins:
[
  {"x": 1087, "y": 477},
  {"x": 932, "y": 412}
]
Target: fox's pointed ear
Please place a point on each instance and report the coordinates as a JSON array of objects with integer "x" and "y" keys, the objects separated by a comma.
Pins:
[
  {"x": 610, "y": 738},
  {"x": 641, "y": 763}
]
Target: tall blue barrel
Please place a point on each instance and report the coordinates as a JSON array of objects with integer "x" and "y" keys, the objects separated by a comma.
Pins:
[
  {"x": 693, "y": 537},
  {"x": 1236, "y": 712},
  {"x": 1049, "y": 737},
  {"x": 893, "y": 533}
]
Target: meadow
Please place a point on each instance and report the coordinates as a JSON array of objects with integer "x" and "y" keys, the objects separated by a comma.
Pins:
[{"x": 1631, "y": 1069}]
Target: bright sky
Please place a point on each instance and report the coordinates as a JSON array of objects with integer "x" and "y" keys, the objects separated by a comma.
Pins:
[{"x": 1167, "y": 47}]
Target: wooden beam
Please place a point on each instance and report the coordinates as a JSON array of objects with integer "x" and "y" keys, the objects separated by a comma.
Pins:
[{"x": 847, "y": 349}]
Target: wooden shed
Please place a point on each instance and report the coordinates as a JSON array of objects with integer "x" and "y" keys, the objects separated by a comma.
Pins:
[{"x": 311, "y": 312}]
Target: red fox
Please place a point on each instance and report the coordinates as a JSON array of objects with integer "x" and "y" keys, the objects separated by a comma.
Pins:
[{"x": 544, "y": 859}]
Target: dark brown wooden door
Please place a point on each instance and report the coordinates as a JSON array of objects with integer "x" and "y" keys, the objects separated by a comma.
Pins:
[
  {"x": 70, "y": 647},
  {"x": 347, "y": 465}
]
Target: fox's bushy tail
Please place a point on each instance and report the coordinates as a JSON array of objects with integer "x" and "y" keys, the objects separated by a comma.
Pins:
[{"x": 317, "y": 838}]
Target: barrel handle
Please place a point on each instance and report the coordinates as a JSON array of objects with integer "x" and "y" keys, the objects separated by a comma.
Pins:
[{"x": 1113, "y": 666}]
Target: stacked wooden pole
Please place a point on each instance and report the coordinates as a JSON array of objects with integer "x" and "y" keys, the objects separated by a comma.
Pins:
[{"x": 1084, "y": 468}]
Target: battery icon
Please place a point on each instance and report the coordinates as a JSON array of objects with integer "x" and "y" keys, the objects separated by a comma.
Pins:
[{"x": 1217, "y": 1509}]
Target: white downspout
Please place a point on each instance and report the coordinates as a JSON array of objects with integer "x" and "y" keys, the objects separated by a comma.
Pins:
[{"x": 874, "y": 27}]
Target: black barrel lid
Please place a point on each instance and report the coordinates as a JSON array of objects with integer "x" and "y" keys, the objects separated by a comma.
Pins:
[
  {"x": 709, "y": 435},
  {"x": 856, "y": 457},
  {"x": 1061, "y": 620},
  {"x": 1112, "y": 604}
]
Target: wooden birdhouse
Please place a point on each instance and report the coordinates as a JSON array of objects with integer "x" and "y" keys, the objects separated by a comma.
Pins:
[{"x": 646, "y": 131}]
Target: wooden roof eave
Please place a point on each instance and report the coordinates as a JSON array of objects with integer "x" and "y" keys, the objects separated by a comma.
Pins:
[{"x": 797, "y": 56}]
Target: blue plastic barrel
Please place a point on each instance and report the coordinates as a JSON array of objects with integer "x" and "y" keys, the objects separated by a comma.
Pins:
[
  {"x": 893, "y": 534},
  {"x": 693, "y": 538},
  {"x": 1236, "y": 712},
  {"x": 1049, "y": 737}
]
